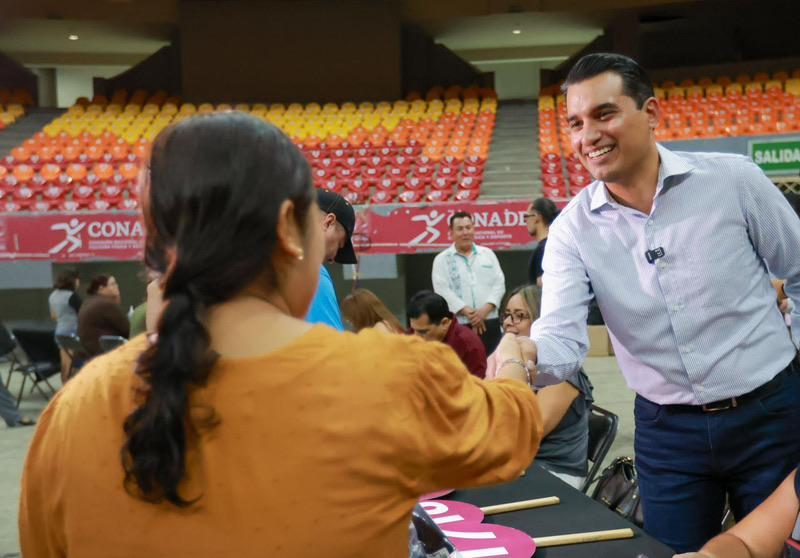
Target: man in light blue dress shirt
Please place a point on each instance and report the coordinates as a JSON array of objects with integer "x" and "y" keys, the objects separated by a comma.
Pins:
[{"x": 675, "y": 248}]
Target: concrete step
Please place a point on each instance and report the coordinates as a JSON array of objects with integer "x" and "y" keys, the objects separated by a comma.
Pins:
[
  {"x": 512, "y": 170},
  {"x": 25, "y": 127}
]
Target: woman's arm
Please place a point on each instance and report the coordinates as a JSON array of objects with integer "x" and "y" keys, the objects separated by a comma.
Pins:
[
  {"x": 762, "y": 533},
  {"x": 554, "y": 401},
  {"x": 382, "y": 327}
]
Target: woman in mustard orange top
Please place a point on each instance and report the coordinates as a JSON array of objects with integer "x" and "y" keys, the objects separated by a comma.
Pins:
[{"x": 243, "y": 431}]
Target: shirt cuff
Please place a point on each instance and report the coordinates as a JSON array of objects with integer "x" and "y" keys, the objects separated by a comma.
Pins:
[{"x": 552, "y": 365}]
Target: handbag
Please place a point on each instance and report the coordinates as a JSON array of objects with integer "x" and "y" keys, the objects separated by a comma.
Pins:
[{"x": 618, "y": 489}]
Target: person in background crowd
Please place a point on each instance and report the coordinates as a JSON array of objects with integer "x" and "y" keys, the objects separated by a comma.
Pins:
[
  {"x": 101, "y": 314},
  {"x": 431, "y": 319},
  {"x": 673, "y": 246},
  {"x": 64, "y": 304},
  {"x": 242, "y": 425},
  {"x": 540, "y": 214},
  {"x": 470, "y": 279},
  {"x": 9, "y": 412},
  {"x": 338, "y": 221},
  {"x": 362, "y": 308},
  {"x": 565, "y": 406}
]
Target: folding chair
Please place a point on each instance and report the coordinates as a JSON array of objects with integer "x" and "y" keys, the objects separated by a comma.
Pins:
[
  {"x": 111, "y": 342},
  {"x": 602, "y": 432},
  {"x": 44, "y": 359},
  {"x": 71, "y": 344}
]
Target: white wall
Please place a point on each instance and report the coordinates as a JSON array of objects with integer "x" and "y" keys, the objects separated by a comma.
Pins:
[
  {"x": 517, "y": 79},
  {"x": 76, "y": 81}
]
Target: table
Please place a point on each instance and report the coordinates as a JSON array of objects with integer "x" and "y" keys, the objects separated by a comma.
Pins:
[{"x": 576, "y": 513}]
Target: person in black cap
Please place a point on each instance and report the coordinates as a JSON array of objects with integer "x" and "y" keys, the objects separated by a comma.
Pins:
[{"x": 338, "y": 222}]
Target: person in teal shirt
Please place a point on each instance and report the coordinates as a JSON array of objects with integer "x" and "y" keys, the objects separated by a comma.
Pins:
[{"x": 338, "y": 222}]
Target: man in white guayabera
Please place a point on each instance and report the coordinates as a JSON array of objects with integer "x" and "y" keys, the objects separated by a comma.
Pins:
[{"x": 469, "y": 278}]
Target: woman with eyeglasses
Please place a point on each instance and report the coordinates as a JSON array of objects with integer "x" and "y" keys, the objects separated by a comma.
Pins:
[{"x": 565, "y": 406}]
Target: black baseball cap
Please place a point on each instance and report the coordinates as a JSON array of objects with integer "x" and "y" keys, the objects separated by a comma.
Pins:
[{"x": 331, "y": 202}]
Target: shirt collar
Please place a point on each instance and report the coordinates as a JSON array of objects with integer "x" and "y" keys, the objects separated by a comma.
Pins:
[
  {"x": 670, "y": 164},
  {"x": 455, "y": 250}
]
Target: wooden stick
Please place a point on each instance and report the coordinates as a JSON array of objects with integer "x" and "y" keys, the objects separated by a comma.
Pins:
[
  {"x": 522, "y": 505},
  {"x": 576, "y": 538}
]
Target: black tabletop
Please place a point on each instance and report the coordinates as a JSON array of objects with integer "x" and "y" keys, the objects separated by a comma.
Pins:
[{"x": 575, "y": 514}]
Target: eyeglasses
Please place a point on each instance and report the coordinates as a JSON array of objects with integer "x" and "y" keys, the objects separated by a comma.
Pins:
[
  {"x": 516, "y": 317},
  {"x": 527, "y": 215}
]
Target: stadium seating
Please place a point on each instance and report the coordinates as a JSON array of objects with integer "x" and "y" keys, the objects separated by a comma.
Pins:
[
  {"x": 702, "y": 109},
  {"x": 406, "y": 151}
]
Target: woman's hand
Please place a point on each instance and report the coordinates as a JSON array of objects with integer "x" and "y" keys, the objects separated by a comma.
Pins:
[{"x": 507, "y": 361}]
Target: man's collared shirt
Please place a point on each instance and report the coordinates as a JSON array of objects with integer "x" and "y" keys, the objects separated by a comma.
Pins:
[
  {"x": 468, "y": 281},
  {"x": 699, "y": 323}
]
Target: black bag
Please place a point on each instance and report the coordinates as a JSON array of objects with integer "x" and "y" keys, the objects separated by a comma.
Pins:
[{"x": 618, "y": 488}]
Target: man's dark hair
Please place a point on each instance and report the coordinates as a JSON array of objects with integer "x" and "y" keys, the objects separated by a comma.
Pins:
[
  {"x": 430, "y": 303},
  {"x": 636, "y": 84},
  {"x": 460, "y": 215}
]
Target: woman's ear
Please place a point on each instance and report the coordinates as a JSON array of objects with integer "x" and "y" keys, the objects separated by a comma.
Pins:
[{"x": 289, "y": 232}]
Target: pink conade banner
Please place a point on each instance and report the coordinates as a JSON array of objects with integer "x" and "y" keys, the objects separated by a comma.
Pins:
[
  {"x": 389, "y": 229},
  {"x": 72, "y": 237},
  {"x": 461, "y": 523}
]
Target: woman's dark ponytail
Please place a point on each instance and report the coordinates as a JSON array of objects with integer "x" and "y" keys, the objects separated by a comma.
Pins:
[
  {"x": 155, "y": 452},
  {"x": 210, "y": 207}
]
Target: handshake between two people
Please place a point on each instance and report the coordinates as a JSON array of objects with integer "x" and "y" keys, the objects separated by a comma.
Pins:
[{"x": 515, "y": 357}]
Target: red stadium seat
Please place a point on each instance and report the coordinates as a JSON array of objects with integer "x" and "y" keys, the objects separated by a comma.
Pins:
[
  {"x": 128, "y": 204},
  {"x": 443, "y": 182},
  {"x": 69, "y": 205},
  {"x": 439, "y": 195},
  {"x": 383, "y": 196},
  {"x": 467, "y": 195},
  {"x": 83, "y": 192},
  {"x": 355, "y": 198},
  {"x": 412, "y": 196},
  {"x": 53, "y": 192}
]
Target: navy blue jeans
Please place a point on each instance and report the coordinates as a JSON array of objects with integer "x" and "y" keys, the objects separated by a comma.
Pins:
[{"x": 688, "y": 461}]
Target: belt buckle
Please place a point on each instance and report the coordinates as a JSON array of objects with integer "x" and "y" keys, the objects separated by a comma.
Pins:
[{"x": 723, "y": 405}]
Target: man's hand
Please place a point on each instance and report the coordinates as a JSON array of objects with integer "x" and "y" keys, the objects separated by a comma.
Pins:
[{"x": 479, "y": 328}]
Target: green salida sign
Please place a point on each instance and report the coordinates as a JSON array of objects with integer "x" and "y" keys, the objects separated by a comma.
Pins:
[{"x": 773, "y": 157}]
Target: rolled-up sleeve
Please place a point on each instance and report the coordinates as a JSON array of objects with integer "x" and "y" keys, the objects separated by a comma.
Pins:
[{"x": 561, "y": 333}]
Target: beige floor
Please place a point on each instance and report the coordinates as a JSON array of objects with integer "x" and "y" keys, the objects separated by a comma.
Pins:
[{"x": 610, "y": 393}]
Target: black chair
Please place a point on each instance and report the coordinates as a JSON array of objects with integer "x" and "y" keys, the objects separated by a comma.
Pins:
[
  {"x": 602, "y": 432},
  {"x": 111, "y": 342},
  {"x": 44, "y": 360},
  {"x": 71, "y": 344}
]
